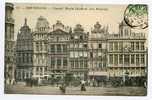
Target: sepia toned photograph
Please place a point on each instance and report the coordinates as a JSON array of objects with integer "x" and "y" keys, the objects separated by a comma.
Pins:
[{"x": 76, "y": 49}]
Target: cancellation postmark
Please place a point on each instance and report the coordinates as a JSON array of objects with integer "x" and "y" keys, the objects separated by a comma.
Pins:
[{"x": 136, "y": 16}]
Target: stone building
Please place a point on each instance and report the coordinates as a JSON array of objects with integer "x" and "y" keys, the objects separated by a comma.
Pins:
[
  {"x": 40, "y": 52},
  {"x": 79, "y": 52},
  {"x": 98, "y": 52},
  {"x": 58, "y": 54},
  {"x": 53, "y": 52},
  {"x": 24, "y": 53},
  {"x": 9, "y": 68},
  {"x": 127, "y": 53}
]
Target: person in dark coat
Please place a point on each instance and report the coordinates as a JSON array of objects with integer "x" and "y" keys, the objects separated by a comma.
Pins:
[
  {"x": 63, "y": 88},
  {"x": 83, "y": 86}
]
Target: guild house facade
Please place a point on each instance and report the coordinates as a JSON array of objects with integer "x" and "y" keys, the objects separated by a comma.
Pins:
[{"x": 54, "y": 51}]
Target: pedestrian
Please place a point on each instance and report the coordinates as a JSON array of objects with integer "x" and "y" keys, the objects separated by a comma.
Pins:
[
  {"x": 63, "y": 88},
  {"x": 83, "y": 85}
]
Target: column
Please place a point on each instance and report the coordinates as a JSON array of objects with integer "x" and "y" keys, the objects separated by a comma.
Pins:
[
  {"x": 118, "y": 59},
  {"x": 108, "y": 59},
  {"x": 74, "y": 64},
  {"x": 62, "y": 61},
  {"x": 42, "y": 46},
  {"x": 139, "y": 46},
  {"x": 43, "y": 70},
  {"x": 123, "y": 64},
  {"x": 118, "y": 47},
  {"x": 24, "y": 74},
  {"x": 139, "y": 60},
  {"x": 55, "y": 48},
  {"x": 62, "y": 48},
  {"x": 135, "y": 46},
  {"x": 135, "y": 60},
  {"x": 29, "y": 74},
  {"x": 145, "y": 60},
  {"x": 112, "y": 59},
  {"x": 113, "y": 46},
  {"x": 21, "y": 77},
  {"x": 129, "y": 59},
  {"x": 55, "y": 66}
]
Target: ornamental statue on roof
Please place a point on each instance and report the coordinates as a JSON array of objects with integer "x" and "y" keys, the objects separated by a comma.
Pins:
[
  {"x": 60, "y": 26},
  {"x": 98, "y": 28},
  {"x": 78, "y": 28},
  {"x": 25, "y": 28}
]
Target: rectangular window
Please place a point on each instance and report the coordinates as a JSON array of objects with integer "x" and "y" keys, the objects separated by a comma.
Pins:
[
  {"x": 115, "y": 45},
  {"x": 132, "y": 45},
  {"x": 137, "y": 45},
  {"x": 85, "y": 64},
  {"x": 65, "y": 62},
  {"x": 85, "y": 46},
  {"x": 120, "y": 45},
  {"x": 45, "y": 46},
  {"x": 59, "y": 62},
  {"x": 52, "y": 48},
  {"x": 116, "y": 59},
  {"x": 111, "y": 46},
  {"x": 52, "y": 62},
  {"x": 81, "y": 64},
  {"x": 142, "y": 59},
  {"x": 111, "y": 59},
  {"x": 58, "y": 48},
  {"x": 100, "y": 46},
  {"x": 120, "y": 59},
  {"x": 126, "y": 59},
  {"x": 142, "y": 46},
  {"x": 132, "y": 59},
  {"x": 37, "y": 46},
  {"x": 76, "y": 64},
  {"x": 64, "y": 48},
  {"x": 72, "y": 64},
  {"x": 137, "y": 59},
  {"x": 41, "y": 48},
  {"x": 91, "y": 54}
]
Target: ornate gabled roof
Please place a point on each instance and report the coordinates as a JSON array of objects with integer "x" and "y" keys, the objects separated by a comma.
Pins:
[
  {"x": 42, "y": 23},
  {"x": 25, "y": 32},
  {"x": 78, "y": 28},
  {"x": 98, "y": 28},
  {"x": 97, "y": 25},
  {"x": 25, "y": 28},
  {"x": 59, "y": 26}
]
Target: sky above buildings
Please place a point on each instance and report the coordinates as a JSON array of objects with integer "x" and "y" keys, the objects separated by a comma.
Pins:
[{"x": 70, "y": 15}]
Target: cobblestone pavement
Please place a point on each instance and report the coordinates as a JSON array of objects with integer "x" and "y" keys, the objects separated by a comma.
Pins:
[{"x": 101, "y": 91}]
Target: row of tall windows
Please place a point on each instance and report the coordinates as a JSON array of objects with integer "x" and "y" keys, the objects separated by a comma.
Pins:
[
  {"x": 40, "y": 46},
  {"x": 24, "y": 58},
  {"x": 115, "y": 46},
  {"x": 59, "y": 48},
  {"x": 58, "y": 62},
  {"x": 78, "y": 45},
  {"x": 133, "y": 45},
  {"x": 81, "y": 64},
  {"x": 128, "y": 59}
]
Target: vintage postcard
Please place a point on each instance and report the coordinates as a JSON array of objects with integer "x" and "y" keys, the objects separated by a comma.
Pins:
[{"x": 76, "y": 49}]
